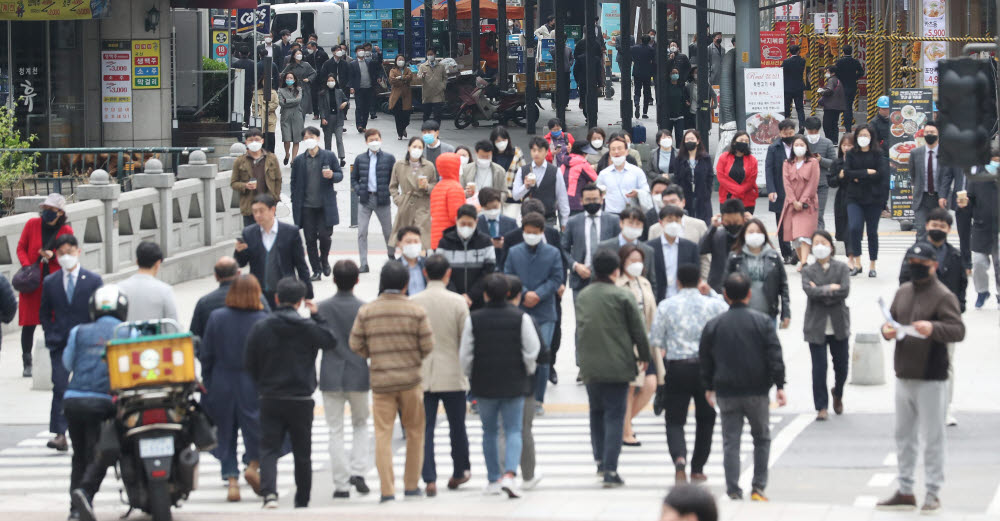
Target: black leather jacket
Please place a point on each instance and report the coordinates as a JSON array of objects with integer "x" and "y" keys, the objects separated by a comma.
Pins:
[{"x": 775, "y": 284}]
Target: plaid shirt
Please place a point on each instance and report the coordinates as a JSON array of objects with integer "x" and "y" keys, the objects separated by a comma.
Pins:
[{"x": 679, "y": 320}]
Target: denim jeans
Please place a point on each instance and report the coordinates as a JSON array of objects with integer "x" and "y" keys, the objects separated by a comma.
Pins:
[
  {"x": 607, "y": 421},
  {"x": 547, "y": 329},
  {"x": 839, "y": 353},
  {"x": 454, "y": 409},
  {"x": 511, "y": 411}
]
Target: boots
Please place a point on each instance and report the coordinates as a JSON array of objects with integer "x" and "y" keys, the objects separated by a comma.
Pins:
[
  {"x": 26, "y": 359},
  {"x": 233, "y": 495},
  {"x": 252, "y": 475}
]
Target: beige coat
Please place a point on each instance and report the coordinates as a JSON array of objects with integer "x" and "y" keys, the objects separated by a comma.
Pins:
[
  {"x": 414, "y": 203},
  {"x": 499, "y": 178},
  {"x": 447, "y": 311},
  {"x": 400, "y": 80},
  {"x": 433, "y": 82},
  {"x": 648, "y": 309},
  {"x": 272, "y": 107}
]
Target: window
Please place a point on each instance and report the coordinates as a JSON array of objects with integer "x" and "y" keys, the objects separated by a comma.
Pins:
[
  {"x": 284, "y": 21},
  {"x": 308, "y": 24}
]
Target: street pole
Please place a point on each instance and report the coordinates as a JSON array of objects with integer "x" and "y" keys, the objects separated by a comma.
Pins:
[
  {"x": 703, "y": 121},
  {"x": 625, "y": 55},
  {"x": 452, "y": 30},
  {"x": 561, "y": 97},
  {"x": 428, "y": 22},
  {"x": 662, "y": 45},
  {"x": 590, "y": 36},
  {"x": 747, "y": 51},
  {"x": 502, "y": 44},
  {"x": 408, "y": 29},
  {"x": 475, "y": 37},
  {"x": 531, "y": 89}
]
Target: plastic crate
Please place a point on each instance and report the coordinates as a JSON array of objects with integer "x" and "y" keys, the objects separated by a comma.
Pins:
[
  {"x": 390, "y": 44},
  {"x": 367, "y": 14},
  {"x": 397, "y": 23},
  {"x": 398, "y": 14},
  {"x": 389, "y": 34},
  {"x": 390, "y": 54},
  {"x": 417, "y": 21},
  {"x": 373, "y": 24},
  {"x": 366, "y": 4},
  {"x": 358, "y": 25},
  {"x": 385, "y": 13},
  {"x": 418, "y": 32},
  {"x": 387, "y": 24},
  {"x": 373, "y": 34}
]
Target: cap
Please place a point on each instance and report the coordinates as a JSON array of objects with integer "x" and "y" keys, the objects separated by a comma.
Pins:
[
  {"x": 883, "y": 102},
  {"x": 56, "y": 201},
  {"x": 922, "y": 250}
]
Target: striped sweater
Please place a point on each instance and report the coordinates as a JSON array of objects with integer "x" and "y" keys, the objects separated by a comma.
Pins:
[{"x": 396, "y": 335}]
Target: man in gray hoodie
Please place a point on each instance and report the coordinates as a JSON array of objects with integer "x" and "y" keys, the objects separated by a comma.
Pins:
[{"x": 827, "y": 152}]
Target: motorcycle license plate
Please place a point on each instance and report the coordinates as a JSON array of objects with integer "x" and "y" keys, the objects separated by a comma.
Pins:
[{"x": 156, "y": 447}]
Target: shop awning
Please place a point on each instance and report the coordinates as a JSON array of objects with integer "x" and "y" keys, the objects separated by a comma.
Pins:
[
  {"x": 463, "y": 10},
  {"x": 214, "y": 4}
]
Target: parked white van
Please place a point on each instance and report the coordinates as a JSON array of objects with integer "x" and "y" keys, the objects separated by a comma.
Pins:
[{"x": 328, "y": 20}]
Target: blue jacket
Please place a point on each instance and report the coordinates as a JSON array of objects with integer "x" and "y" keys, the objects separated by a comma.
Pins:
[
  {"x": 541, "y": 270},
  {"x": 300, "y": 184},
  {"x": 383, "y": 174},
  {"x": 221, "y": 354},
  {"x": 84, "y": 357},
  {"x": 56, "y": 314}
]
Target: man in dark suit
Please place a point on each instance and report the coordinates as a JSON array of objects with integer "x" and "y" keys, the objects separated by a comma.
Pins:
[
  {"x": 272, "y": 248},
  {"x": 849, "y": 70},
  {"x": 493, "y": 222},
  {"x": 314, "y": 200},
  {"x": 584, "y": 233},
  {"x": 643, "y": 69},
  {"x": 671, "y": 250},
  {"x": 226, "y": 270},
  {"x": 656, "y": 189},
  {"x": 777, "y": 154},
  {"x": 794, "y": 68},
  {"x": 631, "y": 221},
  {"x": 953, "y": 180},
  {"x": 340, "y": 68},
  {"x": 364, "y": 73},
  {"x": 65, "y": 304},
  {"x": 927, "y": 178}
]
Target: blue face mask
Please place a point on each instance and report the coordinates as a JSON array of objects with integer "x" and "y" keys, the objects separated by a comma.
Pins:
[
  {"x": 675, "y": 77},
  {"x": 556, "y": 133},
  {"x": 993, "y": 167},
  {"x": 429, "y": 139},
  {"x": 289, "y": 82}
]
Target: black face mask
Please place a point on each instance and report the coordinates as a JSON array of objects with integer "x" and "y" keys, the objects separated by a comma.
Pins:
[
  {"x": 690, "y": 145},
  {"x": 930, "y": 138},
  {"x": 49, "y": 216},
  {"x": 592, "y": 208},
  {"x": 919, "y": 271},
  {"x": 741, "y": 147},
  {"x": 788, "y": 140},
  {"x": 937, "y": 236},
  {"x": 733, "y": 230}
]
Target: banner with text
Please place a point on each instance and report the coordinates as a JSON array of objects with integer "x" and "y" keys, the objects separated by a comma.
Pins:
[
  {"x": 911, "y": 108},
  {"x": 935, "y": 25},
  {"x": 611, "y": 25},
  {"x": 772, "y": 48},
  {"x": 764, "y": 103},
  {"x": 145, "y": 64},
  {"x": 116, "y": 81},
  {"x": 50, "y": 10}
]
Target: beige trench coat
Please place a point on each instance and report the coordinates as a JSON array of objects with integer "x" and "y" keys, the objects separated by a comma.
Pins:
[
  {"x": 414, "y": 203},
  {"x": 648, "y": 312}
]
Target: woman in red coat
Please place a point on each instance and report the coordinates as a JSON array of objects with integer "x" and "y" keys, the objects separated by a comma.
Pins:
[
  {"x": 737, "y": 172},
  {"x": 34, "y": 245},
  {"x": 800, "y": 214},
  {"x": 446, "y": 197}
]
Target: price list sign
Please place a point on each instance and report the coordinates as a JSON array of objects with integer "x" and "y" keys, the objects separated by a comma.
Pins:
[
  {"x": 935, "y": 23},
  {"x": 116, "y": 81},
  {"x": 910, "y": 109},
  {"x": 145, "y": 64}
]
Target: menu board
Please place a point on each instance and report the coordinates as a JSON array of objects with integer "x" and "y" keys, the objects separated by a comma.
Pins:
[
  {"x": 116, "y": 81},
  {"x": 911, "y": 108},
  {"x": 145, "y": 64},
  {"x": 935, "y": 24},
  {"x": 764, "y": 100}
]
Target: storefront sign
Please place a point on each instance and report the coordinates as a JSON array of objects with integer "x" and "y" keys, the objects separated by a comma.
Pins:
[
  {"x": 53, "y": 10},
  {"x": 145, "y": 64},
  {"x": 764, "y": 90},
  {"x": 935, "y": 25},
  {"x": 911, "y": 108},
  {"x": 788, "y": 17},
  {"x": 220, "y": 46},
  {"x": 116, "y": 81},
  {"x": 772, "y": 48},
  {"x": 611, "y": 25},
  {"x": 826, "y": 23}
]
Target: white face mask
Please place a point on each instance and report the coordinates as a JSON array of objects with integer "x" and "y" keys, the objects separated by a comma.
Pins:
[
  {"x": 483, "y": 163},
  {"x": 821, "y": 251},
  {"x": 303, "y": 311},
  {"x": 298, "y": 56},
  {"x": 673, "y": 229},
  {"x": 411, "y": 251},
  {"x": 254, "y": 146},
  {"x": 673, "y": 49},
  {"x": 634, "y": 270},
  {"x": 827, "y": 75},
  {"x": 415, "y": 153},
  {"x": 754, "y": 240},
  {"x": 597, "y": 143},
  {"x": 501, "y": 145},
  {"x": 68, "y": 262},
  {"x": 666, "y": 143},
  {"x": 331, "y": 84},
  {"x": 466, "y": 231},
  {"x": 463, "y": 161},
  {"x": 339, "y": 54},
  {"x": 493, "y": 214},
  {"x": 375, "y": 146},
  {"x": 618, "y": 161},
  {"x": 430, "y": 59},
  {"x": 800, "y": 151},
  {"x": 631, "y": 233},
  {"x": 864, "y": 141},
  {"x": 813, "y": 138},
  {"x": 309, "y": 144},
  {"x": 532, "y": 239},
  {"x": 400, "y": 63},
  {"x": 361, "y": 54}
]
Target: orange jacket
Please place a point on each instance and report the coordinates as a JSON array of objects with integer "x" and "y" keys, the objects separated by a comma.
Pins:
[{"x": 446, "y": 196}]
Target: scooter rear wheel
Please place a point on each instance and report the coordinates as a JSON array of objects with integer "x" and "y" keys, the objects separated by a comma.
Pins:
[
  {"x": 464, "y": 118},
  {"x": 159, "y": 501}
]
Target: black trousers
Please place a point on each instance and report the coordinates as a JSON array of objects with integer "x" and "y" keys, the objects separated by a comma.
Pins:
[
  {"x": 683, "y": 382},
  {"x": 800, "y": 112},
  {"x": 839, "y": 354},
  {"x": 849, "y": 95},
  {"x": 963, "y": 221},
  {"x": 294, "y": 418},
  {"x": 642, "y": 87},
  {"x": 831, "y": 125},
  {"x": 84, "y": 417},
  {"x": 362, "y": 106},
  {"x": 433, "y": 111},
  {"x": 402, "y": 117},
  {"x": 317, "y": 232},
  {"x": 454, "y": 409},
  {"x": 556, "y": 334}
]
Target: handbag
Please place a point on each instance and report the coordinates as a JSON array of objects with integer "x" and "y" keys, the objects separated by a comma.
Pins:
[{"x": 28, "y": 278}]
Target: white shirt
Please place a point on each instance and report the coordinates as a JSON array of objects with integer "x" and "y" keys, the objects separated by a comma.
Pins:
[
  {"x": 75, "y": 274},
  {"x": 670, "y": 265},
  {"x": 622, "y": 182},
  {"x": 268, "y": 237},
  {"x": 788, "y": 150},
  {"x": 934, "y": 161},
  {"x": 562, "y": 198},
  {"x": 596, "y": 219}
]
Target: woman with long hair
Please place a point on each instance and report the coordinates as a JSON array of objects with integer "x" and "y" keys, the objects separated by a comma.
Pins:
[
  {"x": 661, "y": 158},
  {"x": 268, "y": 105},
  {"x": 230, "y": 398},
  {"x": 865, "y": 169},
  {"x": 511, "y": 159},
  {"x": 577, "y": 173},
  {"x": 755, "y": 256},
  {"x": 737, "y": 172},
  {"x": 800, "y": 214},
  {"x": 401, "y": 96},
  {"x": 292, "y": 119},
  {"x": 694, "y": 174},
  {"x": 837, "y": 179},
  {"x": 305, "y": 73},
  {"x": 632, "y": 278},
  {"x": 596, "y": 146},
  {"x": 413, "y": 178},
  {"x": 332, "y": 105}
]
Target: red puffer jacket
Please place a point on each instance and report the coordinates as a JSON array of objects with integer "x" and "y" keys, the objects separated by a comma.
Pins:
[
  {"x": 446, "y": 196},
  {"x": 729, "y": 188}
]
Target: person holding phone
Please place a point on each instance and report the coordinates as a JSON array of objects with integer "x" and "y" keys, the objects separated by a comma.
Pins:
[
  {"x": 314, "y": 201},
  {"x": 257, "y": 172}
]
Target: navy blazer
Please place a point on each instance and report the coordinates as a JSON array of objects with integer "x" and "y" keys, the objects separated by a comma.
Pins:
[
  {"x": 291, "y": 255},
  {"x": 56, "y": 314},
  {"x": 643, "y": 61},
  {"x": 383, "y": 174},
  {"x": 300, "y": 184},
  {"x": 574, "y": 242},
  {"x": 687, "y": 253},
  {"x": 506, "y": 225},
  {"x": 774, "y": 174}
]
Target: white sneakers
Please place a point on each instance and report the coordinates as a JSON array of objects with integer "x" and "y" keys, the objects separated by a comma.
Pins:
[
  {"x": 508, "y": 486},
  {"x": 533, "y": 482},
  {"x": 492, "y": 489}
]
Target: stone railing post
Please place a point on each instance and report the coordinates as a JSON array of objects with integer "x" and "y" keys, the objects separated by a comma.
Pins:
[
  {"x": 102, "y": 189},
  {"x": 28, "y": 203},
  {"x": 198, "y": 168},
  {"x": 226, "y": 162},
  {"x": 153, "y": 176}
]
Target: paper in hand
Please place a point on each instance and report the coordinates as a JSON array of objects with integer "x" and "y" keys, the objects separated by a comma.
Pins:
[{"x": 901, "y": 330}]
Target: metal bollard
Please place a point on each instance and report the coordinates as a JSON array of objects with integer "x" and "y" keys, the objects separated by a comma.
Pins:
[{"x": 867, "y": 362}]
